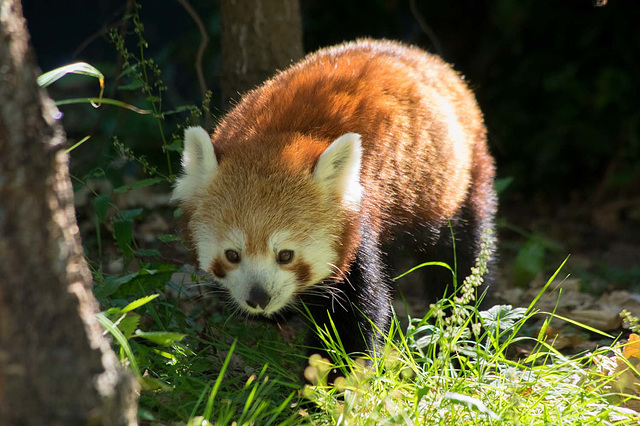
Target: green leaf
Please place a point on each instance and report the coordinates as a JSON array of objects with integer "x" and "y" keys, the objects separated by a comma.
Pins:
[
  {"x": 147, "y": 253},
  {"x": 137, "y": 184},
  {"x": 176, "y": 146},
  {"x": 163, "y": 338},
  {"x": 77, "y": 144},
  {"x": 502, "y": 183},
  {"x": 181, "y": 109},
  {"x": 101, "y": 204},
  {"x": 129, "y": 324},
  {"x": 471, "y": 402},
  {"x": 529, "y": 262},
  {"x": 112, "y": 284},
  {"x": 502, "y": 316},
  {"x": 148, "y": 383},
  {"x": 127, "y": 71},
  {"x": 212, "y": 395},
  {"x": 441, "y": 264},
  {"x": 83, "y": 68},
  {"x": 96, "y": 102},
  {"x": 139, "y": 302},
  {"x": 148, "y": 280},
  {"x": 123, "y": 233},
  {"x": 422, "y": 392},
  {"x": 546, "y": 286},
  {"x": 579, "y": 324},
  {"x": 130, "y": 214},
  {"x": 168, "y": 238},
  {"x": 134, "y": 85},
  {"x": 117, "y": 334}
]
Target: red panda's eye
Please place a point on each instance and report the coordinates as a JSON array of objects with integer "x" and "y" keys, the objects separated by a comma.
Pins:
[
  {"x": 285, "y": 256},
  {"x": 232, "y": 256}
]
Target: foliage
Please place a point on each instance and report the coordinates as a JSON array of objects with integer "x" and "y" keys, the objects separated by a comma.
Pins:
[
  {"x": 442, "y": 369},
  {"x": 440, "y": 372}
]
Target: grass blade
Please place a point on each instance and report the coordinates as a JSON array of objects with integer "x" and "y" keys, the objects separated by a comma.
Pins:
[
  {"x": 77, "y": 144},
  {"x": 124, "y": 343},
  {"x": 96, "y": 102},
  {"x": 209, "y": 409},
  {"x": 422, "y": 265}
]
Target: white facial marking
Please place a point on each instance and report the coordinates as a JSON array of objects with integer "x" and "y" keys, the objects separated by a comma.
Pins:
[
  {"x": 199, "y": 164},
  {"x": 338, "y": 169},
  {"x": 278, "y": 240},
  {"x": 320, "y": 255},
  {"x": 208, "y": 247}
]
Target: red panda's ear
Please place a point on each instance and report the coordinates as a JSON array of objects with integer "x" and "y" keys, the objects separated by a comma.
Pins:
[
  {"x": 338, "y": 168},
  {"x": 199, "y": 164}
]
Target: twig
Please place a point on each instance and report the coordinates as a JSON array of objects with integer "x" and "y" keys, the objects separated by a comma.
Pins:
[
  {"x": 426, "y": 28},
  {"x": 203, "y": 45}
]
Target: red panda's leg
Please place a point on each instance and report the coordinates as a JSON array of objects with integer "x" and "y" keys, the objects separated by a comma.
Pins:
[{"x": 364, "y": 309}]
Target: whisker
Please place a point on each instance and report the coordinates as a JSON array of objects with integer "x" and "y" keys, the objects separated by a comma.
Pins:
[
  {"x": 197, "y": 284},
  {"x": 341, "y": 274},
  {"x": 329, "y": 291}
]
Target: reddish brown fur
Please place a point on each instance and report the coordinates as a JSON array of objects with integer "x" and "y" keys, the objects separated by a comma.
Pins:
[
  {"x": 219, "y": 268},
  {"x": 396, "y": 97},
  {"x": 302, "y": 271}
]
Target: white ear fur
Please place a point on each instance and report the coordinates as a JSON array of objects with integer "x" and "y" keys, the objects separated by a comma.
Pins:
[
  {"x": 338, "y": 168},
  {"x": 199, "y": 164}
]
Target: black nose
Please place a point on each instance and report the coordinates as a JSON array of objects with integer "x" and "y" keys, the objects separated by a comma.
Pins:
[{"x": 258, "y": 298}]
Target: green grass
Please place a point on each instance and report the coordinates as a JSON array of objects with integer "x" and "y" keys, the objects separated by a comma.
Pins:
[
  {"x": 473, "y": 384},
  {"x": 449, "y": 367}
]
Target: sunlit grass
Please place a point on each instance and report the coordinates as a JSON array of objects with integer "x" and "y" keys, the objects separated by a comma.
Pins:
[{"x": 449, "y": 367}]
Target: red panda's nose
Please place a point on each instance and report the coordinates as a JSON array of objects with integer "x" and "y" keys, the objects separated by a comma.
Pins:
[{"x": 258, "y": 298}]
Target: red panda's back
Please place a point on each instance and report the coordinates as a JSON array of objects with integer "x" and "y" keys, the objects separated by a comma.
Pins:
[{"x": 420, "y": 124}]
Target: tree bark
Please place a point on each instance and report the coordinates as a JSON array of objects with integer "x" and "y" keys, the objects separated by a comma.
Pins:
[
  {"x": 56, "y": 368},
  {"x": 258, "y": 38}
]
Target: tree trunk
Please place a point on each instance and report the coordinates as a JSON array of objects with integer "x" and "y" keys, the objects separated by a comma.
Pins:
[
  {"x": 56, "y": 368},
  {"x": 258, "y": 38}
]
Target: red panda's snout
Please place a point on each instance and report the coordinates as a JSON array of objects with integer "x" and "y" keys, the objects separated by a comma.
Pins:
[
  {"x": 260, "y": 286},
  {"x": 258, "y": 297}
]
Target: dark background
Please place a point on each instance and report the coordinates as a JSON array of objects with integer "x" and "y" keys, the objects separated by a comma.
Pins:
[{"x": 558, "y": 81}]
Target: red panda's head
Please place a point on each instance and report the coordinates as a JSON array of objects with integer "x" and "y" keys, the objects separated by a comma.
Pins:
[{"x": 267, "y": 219}]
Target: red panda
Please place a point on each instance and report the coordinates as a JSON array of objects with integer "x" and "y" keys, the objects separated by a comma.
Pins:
[{"x": 311, "y": 182}]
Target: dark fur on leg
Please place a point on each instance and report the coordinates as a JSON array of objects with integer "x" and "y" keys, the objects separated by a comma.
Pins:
[
  {"x": 468, "y": 234},
  {"x": 426, "y": 243},
  {"x": 365, "y": 301}
]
